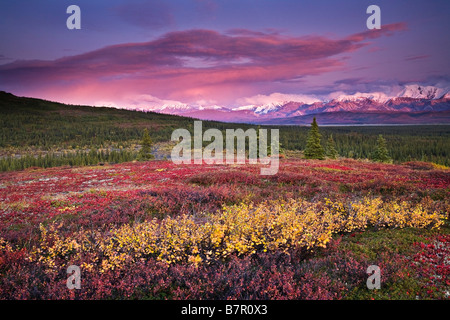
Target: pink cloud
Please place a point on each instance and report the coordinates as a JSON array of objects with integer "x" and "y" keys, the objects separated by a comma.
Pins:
[
  {"x": 185, "y": 66},
  {"x": 386, "y": 30}
]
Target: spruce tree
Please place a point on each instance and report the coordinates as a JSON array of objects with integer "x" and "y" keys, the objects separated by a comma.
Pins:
[
  {"x": 331, "y": 149},
  {"x": 145, "y": 152},
  {"x": 314, "y": 149},
  {"x": 381, "y": 153}
]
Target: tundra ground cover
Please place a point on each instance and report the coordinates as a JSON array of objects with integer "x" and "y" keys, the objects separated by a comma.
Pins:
[{"x": 155, "y": 230}]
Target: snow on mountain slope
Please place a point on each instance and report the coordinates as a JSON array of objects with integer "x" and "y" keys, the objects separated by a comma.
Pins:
[
  {"x": 265, "y": 104},
  {"x": 375, "y": 96},
  {"x": 422, "y": 92},
  {"x": 263, "y": 108}
]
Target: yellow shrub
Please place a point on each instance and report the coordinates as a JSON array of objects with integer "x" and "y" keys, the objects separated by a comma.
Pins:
[{"x": 239, "y": 229}]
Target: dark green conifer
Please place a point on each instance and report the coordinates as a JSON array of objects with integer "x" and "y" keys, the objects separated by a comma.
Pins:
[
  {"x": 314, "y": 149},
  {"x": 146, "y": 151},
  {"x": 381, "y": 153},
  {"x": 331, "y": 149}
]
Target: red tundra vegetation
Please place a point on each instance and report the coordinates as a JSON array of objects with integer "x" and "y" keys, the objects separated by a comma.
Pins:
[{"x": 156, "y": 230}]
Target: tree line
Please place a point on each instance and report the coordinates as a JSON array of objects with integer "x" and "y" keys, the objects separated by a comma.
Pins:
[
  {"x": 318, "y": 144},
  {"x": 315, "y": 150},
  {"x": 78, "y": 158}
]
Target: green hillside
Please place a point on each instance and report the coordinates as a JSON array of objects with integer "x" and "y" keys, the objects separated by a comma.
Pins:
[{"x": 30, "y": 122}]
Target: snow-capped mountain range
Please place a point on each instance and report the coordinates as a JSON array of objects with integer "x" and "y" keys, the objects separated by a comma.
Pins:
[{"x": 412, "y": 104}]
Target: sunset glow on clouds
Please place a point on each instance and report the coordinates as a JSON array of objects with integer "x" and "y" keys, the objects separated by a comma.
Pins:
[
  {"x": 189, "y": 65},
  {"x": 215, "y": 67}
]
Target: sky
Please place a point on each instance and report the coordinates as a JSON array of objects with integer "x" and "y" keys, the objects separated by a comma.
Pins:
[{"x": 134, "y": 53}]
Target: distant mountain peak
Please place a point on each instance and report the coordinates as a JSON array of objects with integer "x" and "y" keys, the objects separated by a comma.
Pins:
[
  {"x": 360, "y": 96},
  {"x": 354, "y": 109},
  {"x": 423, "y": 92},
  {"x": 411, "y": 99},
  {"x": 263, "y": 108}
]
